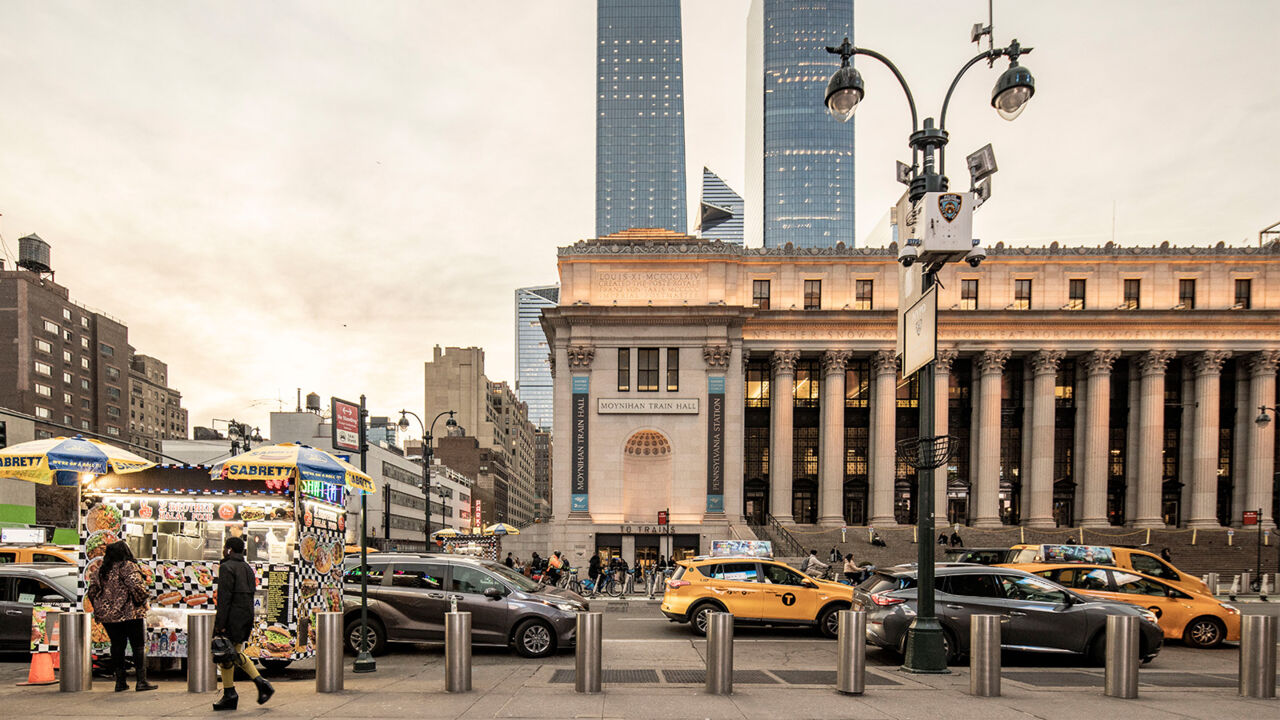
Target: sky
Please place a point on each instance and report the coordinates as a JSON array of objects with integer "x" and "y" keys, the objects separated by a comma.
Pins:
[{"x": 311, "y": 195}]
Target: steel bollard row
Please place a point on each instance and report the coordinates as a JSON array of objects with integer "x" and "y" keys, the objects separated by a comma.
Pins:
[
  {"x": 202, "y": 677},
  {"x": 851, "y": 667},
  {"x": 75, "y": 630},
  {"x": 329, "y": 652},
  {"x": 719, "y": 653},
  {"x": 587, "y": 673},
  {"x": 1122, "y": 656},
  {"x": 984, "y": 656},
  {"x": 457, "y": 652},
  {"x": 1258, "y": 656}
]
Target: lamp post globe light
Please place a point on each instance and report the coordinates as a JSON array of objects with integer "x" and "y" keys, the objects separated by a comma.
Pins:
[
  {"x": 450, "y": 426},
  {"x": 925, "y": 651}
]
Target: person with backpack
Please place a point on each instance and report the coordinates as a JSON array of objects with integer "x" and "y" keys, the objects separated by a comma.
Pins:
[{"x": 234, "y": 621}]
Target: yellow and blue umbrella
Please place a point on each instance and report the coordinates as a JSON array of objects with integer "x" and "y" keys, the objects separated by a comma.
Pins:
[
  {"x": 501, "y": 529},
  {"x": 65, "y": 459},
  {"x": 277, "y": 462},
  {"x": 444, "y": 533}
]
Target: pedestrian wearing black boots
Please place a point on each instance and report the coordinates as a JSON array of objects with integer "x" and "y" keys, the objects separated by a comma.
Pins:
[{"x": 235, "y": 622}]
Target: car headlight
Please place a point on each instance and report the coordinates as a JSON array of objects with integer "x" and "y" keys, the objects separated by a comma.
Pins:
[
  {"x": 1231, "y": 609},
  {"x": 1150, "y": 617},
  {"x": 564, "y": 606}
]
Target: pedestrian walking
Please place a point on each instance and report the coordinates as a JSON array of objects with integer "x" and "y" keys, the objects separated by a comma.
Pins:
[
  {"x": 120, "y": 599},
  {"x": 509, "y": 562},
  {"x": 593, "y": 569},
  {"x": 234, "y": 621}
]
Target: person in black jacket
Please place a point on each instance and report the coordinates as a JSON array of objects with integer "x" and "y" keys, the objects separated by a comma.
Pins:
[{"x": 234, "y": 620}]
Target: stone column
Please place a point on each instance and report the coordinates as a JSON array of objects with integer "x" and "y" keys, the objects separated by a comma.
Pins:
[
  {"x": 1151, "y": 439},
  {"x": 1043, "y": 410},
  {"x": 941, "y": 425},
  {"x": 1262, "y": 440},
  {"x": 781, "y": 433},
  {"x": 1244, "y": 428},
  {"x": 1204, "y": 471},
  {"x": 884, "y": 408},
  {"x": 986, "y": 503},
  {"x": 831, "y": 468},
  {"x": 1092, "y": 491}
]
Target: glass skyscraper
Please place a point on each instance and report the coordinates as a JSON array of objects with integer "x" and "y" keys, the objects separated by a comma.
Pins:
[
  {"x": 720, "y": 216},
  {"x": 640, "y": 171},
  {"x": 799, "y": 159},
  {"x": 533, "y": 368}
]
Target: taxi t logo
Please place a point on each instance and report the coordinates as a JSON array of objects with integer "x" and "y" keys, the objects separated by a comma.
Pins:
[
  {"x": 949, "y": 205},
  {"x": 788, "y": 599}
]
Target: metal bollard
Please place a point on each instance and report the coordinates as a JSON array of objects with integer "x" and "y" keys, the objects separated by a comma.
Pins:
[
  {"x": 984, "y": 656},
  {"x": 329, "y": 652},
  {"x": 587, "y": 673},
  {"x": 720, "y": 653},
  {"x": 1122, "y": 656},
  {"x": 1246, "y": 582},
  {"x": 1212, "y": 581},
  {"x": 457, "y": 652},
  {"x": 1258, "y": 656},
  {"x": 75, "y": 630},
  {"x": 851, "y": 662},
  {"x": 201, "y": 676}
]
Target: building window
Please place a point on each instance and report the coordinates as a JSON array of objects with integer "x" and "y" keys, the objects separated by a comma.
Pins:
[
  {"x": 84, "y": 322},
  {"x": 758, "y": 385},
  {"x": 1075, "y": 294},
  {"x": 84, "y": 403},
  {"x": 812, "y": 294},
  {"x": 760, "y": 294},
  {"x": 44, "y": 390},
  {"x": 1244, "y": 293},
  {"x": 113, "y": 430},
  {"x": 1132, "y": 288},
  {"x": 1021, "y": 295},
  {"x": 968, "y": 294},
  {"x": 84, "y": 363},
  {"x": 113, "y": 411},
  {"x": 68, "y": 336},
  {"x": 66, "y": 399},
  {"x": 113, "y": 393},
  {"x": 84, "y": 384},
  {"x": 1186, "y": 295},
  {"x": 43, "y": 413},
  {"x": 862, "y": 295},
  {"x": 113, "y": 373},
  {"x": 66, "y": 356},
  {"x": 52, "y": 327},
  {"x": 857, "y": 384},
  {"x": 44, "y": 368},
  {"x": 647, "y": 370},
  {"x": 624, "y": 369},
  {"x": 66, "y": 314},
  {"x": 107, "y": 350},
  {"x": 66, "y": 378},
  {"x": 806, "y": 390},
  {"x": 673, "y": 369},
  {"x": 67, "y": 420},
  {"x": 44, "y": 347},
  {"x": 84, "y": 343}
]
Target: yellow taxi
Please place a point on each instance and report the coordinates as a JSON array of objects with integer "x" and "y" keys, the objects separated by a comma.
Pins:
[
  {"x": 36, "y": 554},
  {"x": 1139, "y": 561},
  {"x": 1197, "y": 619},
  {"x": 757, "y": 591}
]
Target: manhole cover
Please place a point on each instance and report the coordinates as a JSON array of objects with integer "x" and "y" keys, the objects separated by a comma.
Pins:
[
  {"x": 1056, "y": 679},
  {"x": 825, "y": 677},
  {"x": 1177, "y": 679},
  {"x": 619, "y": 677},
  {"x": 745, "y": 677}
]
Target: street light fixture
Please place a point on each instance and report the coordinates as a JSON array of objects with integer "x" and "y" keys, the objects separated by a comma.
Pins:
[
  {"x": 924, "y": 647},
  {"x": 1263, "y": 418},
  {"x": 450, "y": 427}
]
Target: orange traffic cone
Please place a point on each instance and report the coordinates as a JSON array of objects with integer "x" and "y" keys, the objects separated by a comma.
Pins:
[
  {"x": 41, "y": 672},
  {"x": 57, "y": 660}
]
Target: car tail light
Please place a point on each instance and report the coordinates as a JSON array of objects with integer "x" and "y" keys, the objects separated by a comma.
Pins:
[
  {"x": 674, "y": 584},
  {"x": 883, "y": 600}
]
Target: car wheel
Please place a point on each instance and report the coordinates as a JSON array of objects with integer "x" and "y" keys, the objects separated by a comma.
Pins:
[
  {"x": 373, "y": 638},
  {"x": 534, "y": 639},
  {"x": 829, "y": 621},
  {"x": 698, "y": 617},
  {"x": 950, "y": 650},
  {"x": 1204, "y": 632}
]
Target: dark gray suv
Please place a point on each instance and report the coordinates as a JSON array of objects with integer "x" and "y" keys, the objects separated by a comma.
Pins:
[
  {"x": 25, "y": 585},
  {"x": 410, "y": 594},
  {"x": 1039, "y": 615}
]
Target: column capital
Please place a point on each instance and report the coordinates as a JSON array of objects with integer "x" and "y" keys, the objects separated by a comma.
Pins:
[
  {"x": 1210, "y": 362},
  {"x": 717, "y": 356},
  {"x": 835, "y": 361},
  {"x": 945, "y": 359},
  {"x": 1099, "y": 362},
  {"x": 1046, "y": 362},
  {"x": 991, "y": 362},
  {"x": 884, "y": 362},
  {"x": 1155, "y": 362},
  {"x": 784, "y": 361},
  {"x": 551, "y": 360},
  {"x": 1264, "y": 363},
  {"x": 580, "y": 356}
]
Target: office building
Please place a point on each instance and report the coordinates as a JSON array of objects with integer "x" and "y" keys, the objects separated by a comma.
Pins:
[
  {"x": 720, "y": 216},
  {"x": 799, "y": 160},
  {"x": 155, "y": 409},
  {"x": 533, "y": 364},
  {"x": 640, "y": 170}
]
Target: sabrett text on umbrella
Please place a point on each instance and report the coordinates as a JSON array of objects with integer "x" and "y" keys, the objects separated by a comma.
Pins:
[
  {"x": 259, "y": 470},
  {"x": 19, "y": 461}
]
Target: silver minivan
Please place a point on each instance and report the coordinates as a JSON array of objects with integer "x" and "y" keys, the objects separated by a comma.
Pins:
[{"x": 409, "y": 595}]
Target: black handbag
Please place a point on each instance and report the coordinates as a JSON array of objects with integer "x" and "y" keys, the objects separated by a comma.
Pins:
[{"x": 224, "y": 652}]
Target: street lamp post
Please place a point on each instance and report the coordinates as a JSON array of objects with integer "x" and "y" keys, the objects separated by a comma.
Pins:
[
  {"x": 924, "y": 648},
  {"x": 427, "y": 452},
  {"x": 1263, "y": 420}
]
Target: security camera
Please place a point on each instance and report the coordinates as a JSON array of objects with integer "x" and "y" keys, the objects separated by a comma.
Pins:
[
  {"x": 975, "y": 256},
  {"x": 907, "y": 254}
]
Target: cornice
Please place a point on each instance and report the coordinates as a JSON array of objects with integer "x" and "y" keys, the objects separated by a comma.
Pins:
[{"x": 716, "y": 248}]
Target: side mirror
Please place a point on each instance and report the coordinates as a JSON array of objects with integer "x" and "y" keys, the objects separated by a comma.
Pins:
[
  {"x": 52, "y": 599},
  {"x": 808, "y": 583},
  {"x": 494, "y": 593}
]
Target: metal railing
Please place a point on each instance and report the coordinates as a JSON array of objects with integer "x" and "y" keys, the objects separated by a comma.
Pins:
[{"x": 785, "y": 543}]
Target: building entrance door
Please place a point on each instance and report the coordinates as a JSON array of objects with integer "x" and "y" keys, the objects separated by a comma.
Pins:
[
  {"x": 804, "y": 501},
  {"x": 646, "y": 550},
  {"x": 755, "y": 501}
]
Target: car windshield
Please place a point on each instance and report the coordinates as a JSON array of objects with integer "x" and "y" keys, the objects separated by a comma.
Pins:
[
  {"x": 510, "y": 576},
  {"x": 65, "y": 580},
  {"x": 882, "y": 583}
]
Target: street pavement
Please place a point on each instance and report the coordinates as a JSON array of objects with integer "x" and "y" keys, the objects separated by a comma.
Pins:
[{"x": 653, "y": 669}]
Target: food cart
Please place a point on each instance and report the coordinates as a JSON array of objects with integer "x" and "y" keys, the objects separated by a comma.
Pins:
[{"x": 176, "y": 518}]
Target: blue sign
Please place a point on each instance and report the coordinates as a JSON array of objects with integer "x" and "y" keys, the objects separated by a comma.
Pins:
[{"x": 578, "y": 503}]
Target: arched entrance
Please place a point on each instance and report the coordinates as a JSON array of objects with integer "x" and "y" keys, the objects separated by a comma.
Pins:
[
  {"x": 646, "y": 476},
  {"x": 755, "y": 501}
]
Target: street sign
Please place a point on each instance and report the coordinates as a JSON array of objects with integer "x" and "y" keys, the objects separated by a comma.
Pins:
[
  {"x": 1250, "y": 517},
  {"x": 910, "y": 279},
  {"x": 346, "y": 425},
  {"x": 662, "y": 517},
  {"x": 920, "y": 333}
]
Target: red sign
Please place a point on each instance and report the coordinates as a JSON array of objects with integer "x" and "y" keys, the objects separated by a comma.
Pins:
[
  {"x": 662, "y": 517},
  {"x": 226, "y": 512},
  {"x": 346, "y": 425},
  {"x": 1250, "y": 517}
]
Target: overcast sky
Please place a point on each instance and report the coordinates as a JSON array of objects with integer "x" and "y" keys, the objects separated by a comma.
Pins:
[{"x": 313, "y": 194}]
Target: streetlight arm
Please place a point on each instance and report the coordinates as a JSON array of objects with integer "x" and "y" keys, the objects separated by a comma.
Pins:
[
  {"x": 988, "y": 55},
  {"x": 911, "y": 101}
]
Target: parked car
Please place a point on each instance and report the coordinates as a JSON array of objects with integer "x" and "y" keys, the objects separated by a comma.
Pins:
[
  {"x": 409, "y": 595},
  {"x": 1129, "y": 558},
  {"x": 36, "y": 554},
  {"x": 1040, "y": 615},
  {"x": 980, "y": 556},
  {"x": 756, "y": 591},
  {"x": 1196, "y": 619},
  {"x": 23, "y": 585}
]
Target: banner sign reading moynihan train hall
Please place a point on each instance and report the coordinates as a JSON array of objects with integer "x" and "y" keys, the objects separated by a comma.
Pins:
[
  {"x": 578, "y": 445},
  {"x": 715, "y": 444}
]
